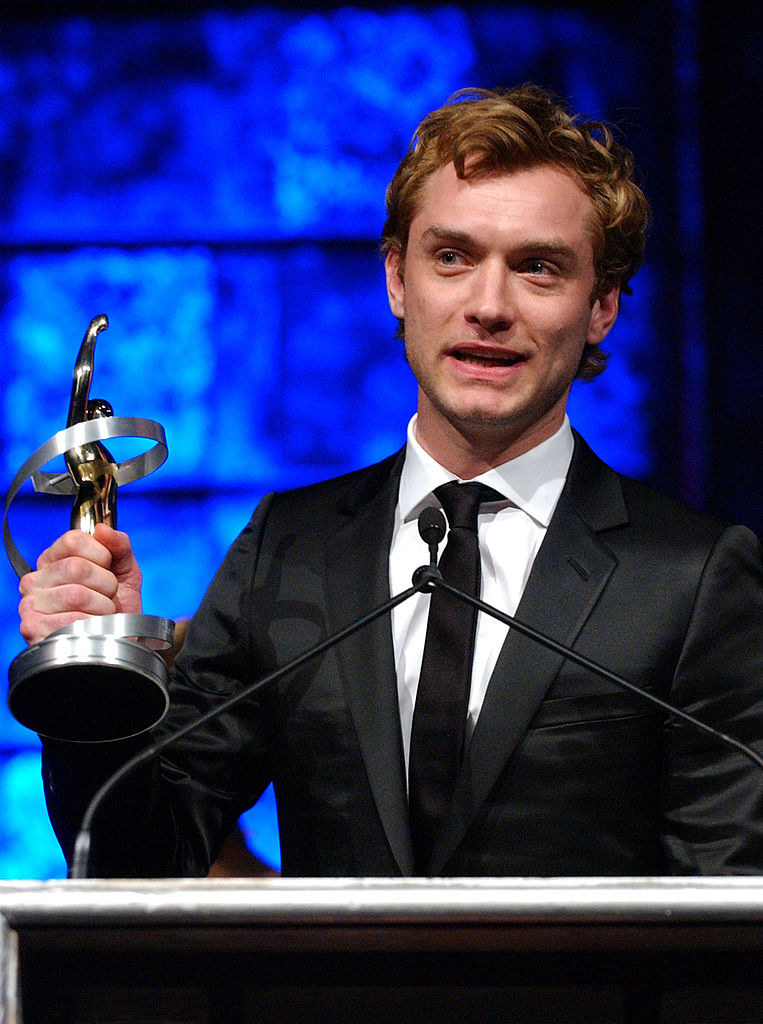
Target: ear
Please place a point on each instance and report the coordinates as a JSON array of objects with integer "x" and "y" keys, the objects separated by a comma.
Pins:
[
  {"x": 603, "y": 315},
  {"x": 395, "y": 286}
]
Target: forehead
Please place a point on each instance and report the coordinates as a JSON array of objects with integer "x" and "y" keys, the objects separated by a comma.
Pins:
[{"x": 542, "y": 201}]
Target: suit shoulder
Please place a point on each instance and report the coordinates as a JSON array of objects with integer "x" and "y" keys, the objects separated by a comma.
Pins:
[
  {"x": 682, "y": 532},
  {"x": 338, "y": 494},
  {"x": 611, "y": 502},
  {"x": 645, "y": 503}
]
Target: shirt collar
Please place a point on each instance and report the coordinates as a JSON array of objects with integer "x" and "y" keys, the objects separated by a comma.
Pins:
[{"x": 532, "y": 482}]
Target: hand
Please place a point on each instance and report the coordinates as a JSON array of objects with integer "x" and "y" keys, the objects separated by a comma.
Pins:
[{"x": 77, "y": 576}]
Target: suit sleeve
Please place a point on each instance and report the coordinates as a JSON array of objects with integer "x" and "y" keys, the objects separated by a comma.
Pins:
[
  {"x": 712, "y": 793},
  {"x": 169, "y": 818}
]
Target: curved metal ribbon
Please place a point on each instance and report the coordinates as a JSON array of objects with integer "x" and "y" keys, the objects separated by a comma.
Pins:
[
  {"x": 99, "y": 429},
  {"x": 151, "y": 630}
]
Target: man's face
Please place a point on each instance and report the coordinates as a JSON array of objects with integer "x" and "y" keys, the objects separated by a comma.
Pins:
[{"x": 496, "y": 299}]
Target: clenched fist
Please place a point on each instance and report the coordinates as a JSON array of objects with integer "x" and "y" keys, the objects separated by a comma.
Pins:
[{"x": 77, "y": 576}]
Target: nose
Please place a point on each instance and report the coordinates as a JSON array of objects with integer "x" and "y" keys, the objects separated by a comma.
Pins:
[{"x": 490, "y": 302}]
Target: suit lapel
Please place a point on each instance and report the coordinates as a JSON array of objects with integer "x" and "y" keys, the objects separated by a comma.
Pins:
[
  {"x": 357, "y": 580},
  {"x": 570, "y": 571}
]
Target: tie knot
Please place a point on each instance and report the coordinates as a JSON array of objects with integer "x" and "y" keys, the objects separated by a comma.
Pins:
[{"x": 461, "y": 502}]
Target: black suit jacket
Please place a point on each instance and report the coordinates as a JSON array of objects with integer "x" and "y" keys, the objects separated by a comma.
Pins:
[{"x": 565, "y": 773}]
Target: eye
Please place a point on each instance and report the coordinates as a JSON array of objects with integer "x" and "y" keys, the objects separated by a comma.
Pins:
[
  {"x": 449, "y": 258},
  {"x": 537, "y": 267}
]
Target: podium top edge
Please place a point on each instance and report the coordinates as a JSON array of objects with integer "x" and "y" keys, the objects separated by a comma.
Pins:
[{"x": 398, "y": 902}]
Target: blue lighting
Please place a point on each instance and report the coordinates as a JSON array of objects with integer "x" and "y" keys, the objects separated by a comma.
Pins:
[{"x": 215, "y": 184}]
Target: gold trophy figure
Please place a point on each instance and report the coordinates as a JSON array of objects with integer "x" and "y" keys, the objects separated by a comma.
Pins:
[
  {"x": 90, "y": 466},
  {"x": 90, "y": 681}
]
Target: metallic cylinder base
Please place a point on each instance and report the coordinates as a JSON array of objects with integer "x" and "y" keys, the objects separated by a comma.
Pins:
[{"x": 88, "y": 689}]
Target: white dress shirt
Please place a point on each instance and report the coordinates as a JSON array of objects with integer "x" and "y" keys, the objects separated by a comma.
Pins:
[{"x": 510, "y": 534}]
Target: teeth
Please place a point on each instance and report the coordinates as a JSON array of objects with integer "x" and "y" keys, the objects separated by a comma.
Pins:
[{"x": 473, "y": 357}]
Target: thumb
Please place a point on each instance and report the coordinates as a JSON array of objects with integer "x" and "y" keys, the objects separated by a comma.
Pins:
[{"x": 124, "y": 566}]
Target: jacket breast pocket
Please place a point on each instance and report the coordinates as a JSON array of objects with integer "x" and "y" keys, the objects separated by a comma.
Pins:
[{"x": 575, "y": 710}]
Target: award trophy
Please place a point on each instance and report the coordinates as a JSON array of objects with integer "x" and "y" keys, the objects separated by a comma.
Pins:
[{"x": 93, "y": 680}]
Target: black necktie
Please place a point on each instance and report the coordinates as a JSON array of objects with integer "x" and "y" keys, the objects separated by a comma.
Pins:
[{"x": 442, "y": 698}]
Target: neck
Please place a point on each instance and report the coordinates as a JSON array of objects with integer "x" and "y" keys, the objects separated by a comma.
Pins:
[{"x": 468, "y": 453}]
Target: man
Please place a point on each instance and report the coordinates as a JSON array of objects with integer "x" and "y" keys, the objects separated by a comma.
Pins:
[{"x": 511, "y": 232}]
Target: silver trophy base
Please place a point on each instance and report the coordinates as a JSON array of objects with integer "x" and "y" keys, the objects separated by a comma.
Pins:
[{"x": 88, "y": 689}]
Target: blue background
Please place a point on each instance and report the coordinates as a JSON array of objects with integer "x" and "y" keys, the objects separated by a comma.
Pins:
[{"x": 213, "y": 181}]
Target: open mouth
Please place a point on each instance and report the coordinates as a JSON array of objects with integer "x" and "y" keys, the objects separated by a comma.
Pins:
[{"x": 487, "y": 359}]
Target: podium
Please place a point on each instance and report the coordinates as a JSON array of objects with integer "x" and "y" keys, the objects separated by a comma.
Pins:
[{"x": 599, "y": 951}]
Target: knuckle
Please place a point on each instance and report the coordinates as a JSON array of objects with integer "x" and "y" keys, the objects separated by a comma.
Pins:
[
  {"x": 67, "y": 544},
  {"x": 75, "y": 570},
  {"x": 28, "y": 633},
  {"x": 73, "y": 597},
  {"x": 30, "y": 620},
  {"x": 72, "y": 539}
]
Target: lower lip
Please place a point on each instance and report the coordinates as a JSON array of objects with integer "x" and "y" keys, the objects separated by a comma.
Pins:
[{"x": 486, "y": 371}]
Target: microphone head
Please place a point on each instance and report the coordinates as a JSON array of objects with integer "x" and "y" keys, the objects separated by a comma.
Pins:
[{"x": 432, "y": 526}]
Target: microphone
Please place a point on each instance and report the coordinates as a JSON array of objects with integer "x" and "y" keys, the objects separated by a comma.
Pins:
[{"x": 432, "y": 529}]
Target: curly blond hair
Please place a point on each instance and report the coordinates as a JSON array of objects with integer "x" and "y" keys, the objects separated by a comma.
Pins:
[{"x": 484, "y": 132}]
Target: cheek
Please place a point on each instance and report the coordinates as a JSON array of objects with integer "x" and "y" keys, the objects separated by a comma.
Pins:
[
  {"x": 433, "y": 298},
  {"x": 422, "y": 317},
  {"x": 560, "y": 329}
]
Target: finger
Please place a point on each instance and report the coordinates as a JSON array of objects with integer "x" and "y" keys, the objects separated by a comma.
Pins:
[
  {"x": 123, "y": 561},
  {"x": 37, "y": 628},
  {"x": 124, "y": 566},
  {"x": 67, "y": 571},
  {"x": 68, "y": 598},
  {"x": 116, "y": 541},
  {"x": 48, "y": 610},
  {"x": 76, "y": 543}
]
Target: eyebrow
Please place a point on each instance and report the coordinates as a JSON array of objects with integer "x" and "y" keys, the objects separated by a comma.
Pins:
[
  {"x": 439, "y": 233},
  {"x": 549, "y": 247}
]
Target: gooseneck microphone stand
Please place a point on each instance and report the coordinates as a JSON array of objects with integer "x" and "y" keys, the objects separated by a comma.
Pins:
[{"x": 432, "y": 529}]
